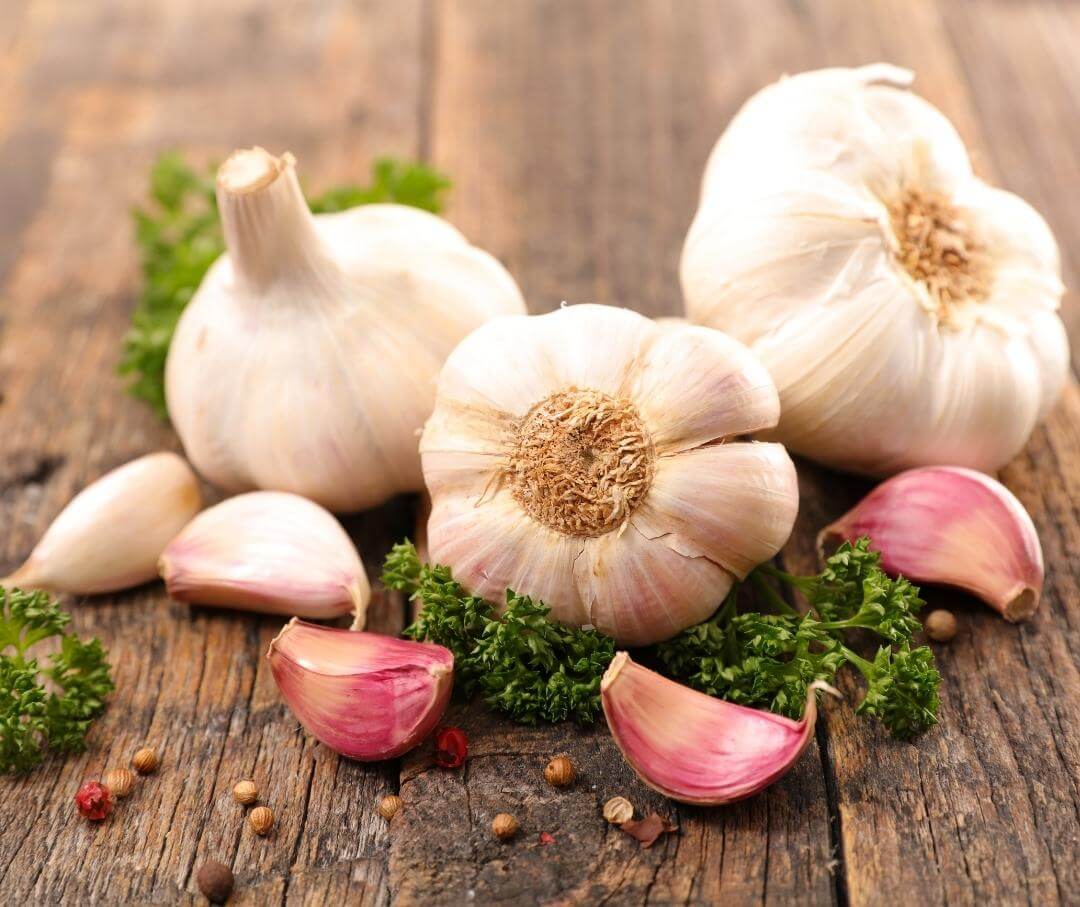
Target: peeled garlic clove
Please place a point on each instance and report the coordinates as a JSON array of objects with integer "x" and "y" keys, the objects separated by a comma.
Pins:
[
  {"x": 953, "y": 526},
  {"x": 694, "y": 748},
  {"x": 111, "y": 534},
  {"x": 268, "y": 551},
  {"x": 366, "y": 696}
]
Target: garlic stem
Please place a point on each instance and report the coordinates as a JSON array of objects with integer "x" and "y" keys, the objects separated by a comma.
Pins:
[{"x": 269, "y": 229}]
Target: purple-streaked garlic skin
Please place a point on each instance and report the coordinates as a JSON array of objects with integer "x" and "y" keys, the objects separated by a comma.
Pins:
[
  {"x": 364, "y": 695},
  {"x": 955, "y": 527},
  {"x": 268, "y": 551},
  {"x": 694, "y": 748}
]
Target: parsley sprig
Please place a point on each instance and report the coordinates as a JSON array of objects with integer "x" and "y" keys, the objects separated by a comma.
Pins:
[
  {"x": 524, "y": 664},
  {"x": 770, "y": 659},
  {"x": 179, "y": 237},
  {"x": 45, "y": 705},
  {"x": 519, "y": 662}
]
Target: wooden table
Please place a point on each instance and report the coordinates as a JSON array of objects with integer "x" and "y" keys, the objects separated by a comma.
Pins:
[{"x": 575, "y": 133}]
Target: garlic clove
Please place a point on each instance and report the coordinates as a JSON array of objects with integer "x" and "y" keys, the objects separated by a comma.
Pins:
[
  {"x": 365, "y": 696},
  {"x": 732, "y": 503},
  {"x": 110, "y": 535},
  {"x": 953, "y": 526},
  {"x": 639, "y": 592},
  {"x": 694, "y": 748},
  {"x": 726, "y": 392},
  {"x": 268, "y": 551}
]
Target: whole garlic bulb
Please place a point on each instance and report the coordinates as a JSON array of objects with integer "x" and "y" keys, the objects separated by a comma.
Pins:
[
  {"x": 906, "y": 309},
  {"x": 306, "y": 361},
  {"x": 584, "y": 458}
]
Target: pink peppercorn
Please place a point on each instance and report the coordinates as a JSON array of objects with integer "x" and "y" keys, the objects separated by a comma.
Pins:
[{"x": 94, "y": 801}]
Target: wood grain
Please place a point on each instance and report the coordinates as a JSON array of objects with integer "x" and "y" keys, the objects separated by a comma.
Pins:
[{"x": 575, "y": 134}]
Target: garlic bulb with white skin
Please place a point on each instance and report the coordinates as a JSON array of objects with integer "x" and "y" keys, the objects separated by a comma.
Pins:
[
  {"x": 585, "y": 458},
  {"x": 306, "y": 361},
  {"x": 906, "y": 309}
]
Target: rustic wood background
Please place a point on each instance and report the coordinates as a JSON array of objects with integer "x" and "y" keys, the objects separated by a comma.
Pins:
[{"x": 575, "y": 133}]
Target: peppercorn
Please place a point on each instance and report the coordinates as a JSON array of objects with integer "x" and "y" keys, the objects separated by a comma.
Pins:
[
  {"x": 504, "y": 826},
  {"x": 389, "y": 806},
  {"x": 940, "y": 625},
  {"x": 261, "y": 820},
  {"x": 120, "y": 782},
  {"x": 215, "y": 881},
  {"x": 451, "y": 747},
  {"x": 618, "y": 810},
  {"x": 560, "y": 772},
  {"x": 245, "y": 792},
  {"x": 145, "y": 761},
  {"x": 93, "y": 801}
]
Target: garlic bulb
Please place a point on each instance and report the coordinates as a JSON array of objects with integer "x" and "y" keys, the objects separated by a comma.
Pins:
[
  {"x": 306, "y": 361},
  {"x": 953, "y": 526},
  {"x": 694, "y": 748},
  {"x": 268, "y": 551},
  {"x": 366, "y": 696},
  {"x": 110, "y": 535},
  {"x": 576, "y": 457},
  {"x": 906, "y": 309}
]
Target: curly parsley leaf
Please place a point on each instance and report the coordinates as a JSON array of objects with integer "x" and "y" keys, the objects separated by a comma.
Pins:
[
  {"x": 52, "y": 705},
  {"x": 520, "y": 661},
  {"x": 179, "y": 237},
  {"x": 770, "y": 659}
]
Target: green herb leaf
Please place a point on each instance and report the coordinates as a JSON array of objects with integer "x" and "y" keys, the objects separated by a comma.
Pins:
[
  {"x": 771, "y": 659},
  {"x": 179, "y": 237},
  {"x": 54, "y": 705},
  {"x": 520, "y": 661}
]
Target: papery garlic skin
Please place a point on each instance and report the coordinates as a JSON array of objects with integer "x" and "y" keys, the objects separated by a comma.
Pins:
[
  {"x": 364, "y": 695},
  {"x": 110, "y": 535},
  {"x": 583, "y": 458},
  {"x": 955, "y": 527},
  {"x": 694, "y": 748},
  {"x": 306, "y": 361},
  {"x": 803, "y": 247},
  {"x": 268, "y": 551}
]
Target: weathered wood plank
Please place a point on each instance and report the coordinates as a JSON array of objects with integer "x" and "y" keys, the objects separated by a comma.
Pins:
[{"x": 99, "y": 90}]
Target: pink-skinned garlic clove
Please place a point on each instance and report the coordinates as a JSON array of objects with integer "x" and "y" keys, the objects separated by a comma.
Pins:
[
  {"x": 955, "y": 527},
  {"x": 268, "y": 551},
  {"x": 364, "y": 695},
  {"x": 692, "y": 747}
]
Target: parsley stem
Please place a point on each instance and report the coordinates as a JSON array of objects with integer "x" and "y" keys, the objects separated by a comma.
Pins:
[
  {"x": 775, "y": 598},
  {"x": 799, "y": 582}
]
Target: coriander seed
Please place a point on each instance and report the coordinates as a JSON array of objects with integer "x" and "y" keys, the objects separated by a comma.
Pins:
[
  {"x": 120, "y": 782},
  {"x": 618, "y": 810},
  {"x": 145, "y": 761},
  {"x": 504, "y": 826},
  {"x": 245, "y": 792},
  {"x": 261, "y": 820},
  {"x": 560, "y": 772},
  {"x": 389, "y": 806},
  {"x": 940, "y": 625},
  {"x": 215, "y": 881}
]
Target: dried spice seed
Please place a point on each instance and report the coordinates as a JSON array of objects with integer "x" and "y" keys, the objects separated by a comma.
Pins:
[
  {"x": 120, "y": 782},
  {"x": 145, "y": 761},
  {"x": 618, "y": 810},
  {"x": 215, "y": 881},
  {"x": 261, "y": 820},
  {"x": 504, "y": 826},
  {"x": 581, "y": 462},
  {"x": 546, "y": 838},
  {"x": 389, "y": 806},
  {"x": 940, "y": 625},
  {"x": 451, "y": 747},
  {"x": 93, "y": 801},
  {"x": 245, "y": 792},
  {"x": 560, "y": 772}
]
